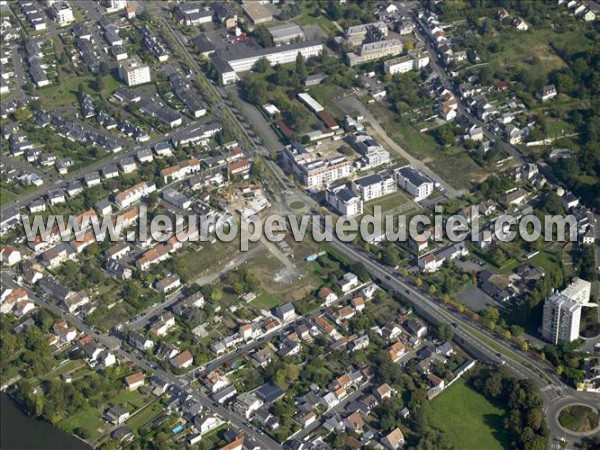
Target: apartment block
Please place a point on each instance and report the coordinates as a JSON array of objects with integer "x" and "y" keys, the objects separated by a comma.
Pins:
[
  {"x": 344, "y": 201},
  {"x": 312, "y": 171},
  {"x": 374, "y": 50},
  {"x": 134, "y": 72}
]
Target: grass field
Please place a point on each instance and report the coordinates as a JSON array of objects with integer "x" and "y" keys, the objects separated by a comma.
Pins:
[
  {"x": 195, "y": 263},
  {"x": 6, "y": 196},
  {"x": 546, "y": 261},
  {"x": 66, "y": 93},
  {"x": 132, "y": 399},
  {"x": 267, "y": 300},
  {"x": 66, "y": 367},
  {"x": 469, "y": 419},
  {"x": 88, "y": 420},
  {"x": 387, "y": 202},
  {"x": 147, "y": 414},
  {"x": 533, "y": 50}
]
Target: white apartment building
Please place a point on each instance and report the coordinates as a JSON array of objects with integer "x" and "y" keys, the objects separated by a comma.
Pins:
[
  {"x": 374, "y": 154},
  {"x": 561, "y": 319},
  {"x": 374, "y": 186},
  {"x": 62, "y": 13},
  {"x": 579, "y": 290},
  {"x": 412, "y": 61},
  {"x": 375, "y": 50},
  {"x": 402, "y": 64},
  {"x": 116, "y": 5},
  {"x": 414, "y": 182},
  {"x": 562, "y": 312},
  {"x": 242, "y": 58},
  {"x": 344, "y": 201},
  {"x": 314, "y": 172},
  {"x": 134, "y": 194},
  {"x": 134, "y": 72},
  {"x": 420, "y": 59}
]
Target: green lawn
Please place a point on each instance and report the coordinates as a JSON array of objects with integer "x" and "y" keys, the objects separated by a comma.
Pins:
[
  {"x": 6, "y": 196},
  {"x": 387, "y": 202},
  {"x": 133, "y": 399},
  {"x": 146, "y": 415},
  {"x": 88, "y": 420},
  {"x": 69, "y": 366},
  {"x": 546, "y": 261},
  {"x": 470, "y": 420},
  {"x": 266, "y": 300}
]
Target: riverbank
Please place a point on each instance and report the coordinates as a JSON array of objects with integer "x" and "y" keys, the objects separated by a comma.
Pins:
[{"x": 20, "y": 431}]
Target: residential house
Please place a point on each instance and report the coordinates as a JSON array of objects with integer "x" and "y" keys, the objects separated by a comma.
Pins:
[
  {"x": 134, "y": 381},
  {"x": 182, "y": 360},
  {"x": 547, "y": 93},
  {"x": 397, "y": 351},
  {"x": 142, "y": 343},
  {"x": 116, "y": 415},
  {"x": 393, "y": 440},
  {"x": 348, "y": 282},
  {"x": 383, "y": 392},
  {"x": 246, "y": 404},
  {"x": 355, "y": 422},
  {"x": 168, "y": 283},
  {"x": 285, "y": 312}
]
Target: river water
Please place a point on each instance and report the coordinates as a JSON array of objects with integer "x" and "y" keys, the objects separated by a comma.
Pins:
[{"x": 21, "y": 432}]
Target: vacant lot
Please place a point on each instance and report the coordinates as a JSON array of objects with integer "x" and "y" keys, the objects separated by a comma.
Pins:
[
  {"x": 275, "y": 283},
  {"x": 453, "y": 164},
  {"x": 469, "y": 418},
  {"x": 532, "y": 51},
  {"x": 193, "y": 263}
]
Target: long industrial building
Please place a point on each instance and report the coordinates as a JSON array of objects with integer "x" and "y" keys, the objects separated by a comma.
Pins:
[{"x": 241, "y": 58}]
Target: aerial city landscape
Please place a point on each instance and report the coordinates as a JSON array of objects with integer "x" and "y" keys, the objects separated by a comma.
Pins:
[{"x": 300, "y": 224}]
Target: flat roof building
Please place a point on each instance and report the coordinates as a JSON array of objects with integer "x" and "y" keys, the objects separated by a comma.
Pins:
[
  {"x": 134, "y": 72},
  {"x": 286, "y": 33},
  {"x": 242, "y": 58}
]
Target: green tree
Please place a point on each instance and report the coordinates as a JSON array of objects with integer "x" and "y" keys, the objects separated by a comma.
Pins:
[
  {"x": 391, "y": 256},
  {"x": 262, "y": 65},
  {"x": 301, "y": 69},
  {"x": 445, "y": 332}
]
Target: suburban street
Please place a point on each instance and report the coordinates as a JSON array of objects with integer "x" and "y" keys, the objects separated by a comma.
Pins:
[
  {"x": 237, "y": 172},
  {"x": 182, "y": 383},
  {"x": 554, "y": 391}
]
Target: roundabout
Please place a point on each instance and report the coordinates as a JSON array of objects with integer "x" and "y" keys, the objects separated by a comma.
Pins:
[
  {"x": 574, "y": 416},
  {"x": 579, "y": 419}
]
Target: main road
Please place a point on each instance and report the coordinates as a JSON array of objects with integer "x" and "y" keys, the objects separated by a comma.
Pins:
[{"x": 555, "y": 393}]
